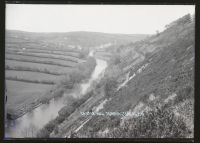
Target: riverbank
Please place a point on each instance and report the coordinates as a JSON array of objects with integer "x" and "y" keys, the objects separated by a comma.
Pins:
[
  {"x": 44, "y": 113},
  {"x": 67, "y": 82},
  {"x": 20, "y": 111},
  {"x": 89, "y": 97}
]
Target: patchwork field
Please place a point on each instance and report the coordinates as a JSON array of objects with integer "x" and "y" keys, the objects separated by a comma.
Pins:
[
  {"x": 46, "y": 55},
  {"x": 33, "y": 70},
  {"x": 42, "y": 67},
  {"x": 70, "y": 53},
  {"x": 40, "y": 60},
  {"x": 31, "y": 76},
  {"x": 36, "y": 64}
]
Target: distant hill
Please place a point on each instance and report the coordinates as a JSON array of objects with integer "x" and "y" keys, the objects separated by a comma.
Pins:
[{"x": 71, "y": 39}]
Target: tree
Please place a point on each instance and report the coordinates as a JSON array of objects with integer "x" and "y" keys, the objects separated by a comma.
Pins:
[
  {"x": 29, "y": 131},
  {"x": 117, "y": 60},
  {"x": 110, "y": 87},
  {"x": 157, "y": 33}
]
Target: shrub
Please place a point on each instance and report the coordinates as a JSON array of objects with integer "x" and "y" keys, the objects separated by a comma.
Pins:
[
  {"x": 157, "y": 123},
  {"x": 66, "y": 111},
  {"x": 60, "y": 119},
  {"x": 82, "y": 55},
  {"x": 117, "y": 60},
  {"x": 50, "y": 126},
  {"x": 43, "y": 133},
  {"x": 56, "y": 130},
  {"x": 184, "y": 93},
  {"x": 110, "y": 86}
]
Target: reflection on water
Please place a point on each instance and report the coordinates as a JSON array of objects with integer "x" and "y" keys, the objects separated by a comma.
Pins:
[
  {"x": 101, "y": 65},
  {"x": 30, "y": 123},
  {"x": 37, "y": 119}
]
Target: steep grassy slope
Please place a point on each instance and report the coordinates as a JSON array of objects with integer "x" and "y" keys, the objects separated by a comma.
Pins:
[{"x": 155, "y": 96}]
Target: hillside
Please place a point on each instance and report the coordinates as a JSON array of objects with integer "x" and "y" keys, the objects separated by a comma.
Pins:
[
  {"x": 147, "y": 90},
  {"x": 73, "y": 39}
]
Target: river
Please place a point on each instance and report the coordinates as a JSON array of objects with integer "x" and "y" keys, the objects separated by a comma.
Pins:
[{"x": 31, "y": 122}]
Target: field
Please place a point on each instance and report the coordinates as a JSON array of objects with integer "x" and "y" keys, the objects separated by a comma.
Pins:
[
  {"x": 33, "y": 69},
  {"x": 42, "y": 67},
  {"x": 70, "y": 53},
  {"x": 28, "y": 75},
  {"x": 22, "y": 92},
  {"x": 46, "y": 55},
  {"x": 40, "y": 60}
]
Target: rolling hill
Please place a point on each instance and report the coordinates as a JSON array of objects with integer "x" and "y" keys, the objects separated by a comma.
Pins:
[{"x": 71, "y": 39}]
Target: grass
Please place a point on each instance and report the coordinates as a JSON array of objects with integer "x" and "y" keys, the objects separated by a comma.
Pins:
[
  {"x": 31, "y": 80},
  {"x": 157, "y": 123},
  {"x": 170, "y": 71},
  {"x": 20, "y": 68},
  {"x": 33, "y": 66},
  {"x": 40, "y": 62},
  {"x": 32, "y": 58},
  {"x": 30, "y": 75},
  {"x": 72, "y": 54},
  {"x": 26, "y": 66},
  {"x": 22, "y": 92},
  {"x": 65, "y": 112},
  {"x": 67, "y": 58}
]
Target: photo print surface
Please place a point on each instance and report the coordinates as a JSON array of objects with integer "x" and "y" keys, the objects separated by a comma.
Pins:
[{"x": 99, "y": 71}]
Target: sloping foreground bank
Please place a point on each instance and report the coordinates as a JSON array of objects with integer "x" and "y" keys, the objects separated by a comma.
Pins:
[{"x": 157, "y": 96}]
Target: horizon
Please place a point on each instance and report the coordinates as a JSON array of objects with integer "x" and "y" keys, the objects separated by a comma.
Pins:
[
  {"x": 112, "y": 19},
  {"x": 77, "y": 32}
]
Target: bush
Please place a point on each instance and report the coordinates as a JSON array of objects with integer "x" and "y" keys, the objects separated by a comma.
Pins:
[
  {"x": 50, "y": 126},
  {"x": 110, "y": 87},
  {"x": 82, "y": 55},
  {"x": 56, "y": 130},
  {"x": 157, "y": 123},
  {"x": 117, "y": 60},
  {"x": 66, "y": 111},
  {"x": 43, "y": 133},
  {"x": 60, "y": 119},
  {"x": 184, "y": 93}
]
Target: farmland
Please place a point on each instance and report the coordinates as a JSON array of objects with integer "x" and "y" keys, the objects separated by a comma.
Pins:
[
  {"x": 40, "y": 60},
  {"x": 28, "y": 75},
  {"x": 17, "y": 97},
  {"x": 33, "y": 70},
  {"x": 39, "y": 66}
]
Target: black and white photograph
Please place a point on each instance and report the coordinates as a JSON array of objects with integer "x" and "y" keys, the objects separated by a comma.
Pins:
[{"x": 99, "y": 71}]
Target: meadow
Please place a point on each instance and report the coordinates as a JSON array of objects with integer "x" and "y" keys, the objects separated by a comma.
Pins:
[{"x": 32, "y": 71}]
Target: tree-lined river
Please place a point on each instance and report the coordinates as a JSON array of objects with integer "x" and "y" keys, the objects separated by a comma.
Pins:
[{"x": 31, "y": 122}]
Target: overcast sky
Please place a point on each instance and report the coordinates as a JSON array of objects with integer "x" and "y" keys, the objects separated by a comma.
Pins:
[{"x": 126, "y": 19}]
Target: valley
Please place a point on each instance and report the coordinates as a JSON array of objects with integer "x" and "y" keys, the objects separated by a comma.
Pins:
[{"x": 98, "y": 85}]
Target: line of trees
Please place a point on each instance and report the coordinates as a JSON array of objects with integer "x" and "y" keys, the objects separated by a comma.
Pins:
[
  {"x": 39, "y": 61},
  {"x": 83, "y": 71},
  {"x": 181, "y": 21},
  {"x": 65, "y": 112},
  {"x": 21, "y": 68},
  {"x": 76, "y": 55},
  {"x": 15, "y": 78},
  {"x": 76, "y": 76},
  {"x": 72, "y": 59}
]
